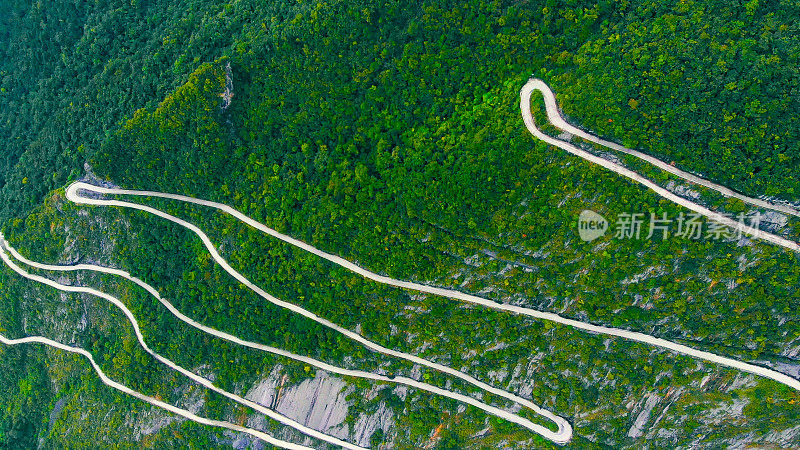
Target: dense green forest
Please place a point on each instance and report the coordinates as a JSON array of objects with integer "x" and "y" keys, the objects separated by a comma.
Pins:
[{"x": 389, "y": 133}]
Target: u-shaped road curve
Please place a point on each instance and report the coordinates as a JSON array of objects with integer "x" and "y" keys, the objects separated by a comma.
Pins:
[
  {"x": 73, "y": 193},
  {"x": 564, "y": 432},
  {"x": 562, "y": 435},
  {"x": 553, "y": 114}
]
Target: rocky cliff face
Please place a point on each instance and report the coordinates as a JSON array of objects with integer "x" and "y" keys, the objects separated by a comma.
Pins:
[
  {"x": 320, "y": 403},
  {"x": 227, "y": 96}
]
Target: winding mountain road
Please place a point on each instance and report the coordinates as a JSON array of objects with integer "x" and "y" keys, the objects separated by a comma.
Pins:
[
  {"x": 167, "y": 362},
  {"x": 564, "y": 432},
  {"x": 535, "y": 84},
  {"x": 561, "y": 436},
  {"x": 73, "y": 193},
  {"x": 5, "y": 246},
  {"x": 556, "y": 119},
  {"x": 151, "y": 400}
]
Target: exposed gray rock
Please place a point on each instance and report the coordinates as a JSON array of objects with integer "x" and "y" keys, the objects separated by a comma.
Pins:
[
  {"x": 644, "y": 415},
  {"x": 319, "y": 403},
  {"x": 366, "y": 425},
  {"x": 682, "y": 190},
  {"x": 57, "y": 408}
]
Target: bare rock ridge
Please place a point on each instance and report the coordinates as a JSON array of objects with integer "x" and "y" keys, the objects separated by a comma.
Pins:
[{"x": 227, "y": 96}]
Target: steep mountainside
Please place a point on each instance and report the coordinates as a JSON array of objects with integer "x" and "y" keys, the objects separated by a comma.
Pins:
[{"x": 390, "y": 134}]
